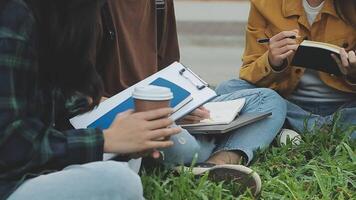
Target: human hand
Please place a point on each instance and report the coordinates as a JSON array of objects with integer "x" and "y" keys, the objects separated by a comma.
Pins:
[
  {"x": 281, "y": 47},
  {"x": 196, "y": 116},
  {"x": 103, "y": 99},
  {"x": 347, "y": 63},
  {"x": 139, "y": 132}
]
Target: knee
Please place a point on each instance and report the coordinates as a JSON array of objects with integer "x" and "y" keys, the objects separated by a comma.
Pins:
[
  {"x": 233, "y": 85},
  {"x": 184, "y": 150},
  {"x": 276, "y": 102},
  {"x": 223, "y": 88},
  {"x": 274, "y": 96},
  {"x": 188, "y": 149},
  {"x": 117, "y": 180}
]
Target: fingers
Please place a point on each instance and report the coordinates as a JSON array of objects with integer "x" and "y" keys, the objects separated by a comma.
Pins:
[
  {"x": 192, "y": 118},
  {"x": 282, "y": 43},
  {"x": 344, "y": 58},
  {"x": 163, "y": 133},
  {"x": 338, "y": 62},
  {"x": 158, "y": 124},
  {"x": 287, "y": 54},
  {"x": 282, "y": 53},
  {"x": 352, "y": 58},
  {"x": 284, "y": 34},
  {"x": 204, "y": 109},
  {"x": 281, "y": 46},
  {"x": 155, "y": 114},
  {"x": 346, "y": 62},
  {"x": 103, "y": 99},
  {"x": 287, "y": 48},
  {"x": 125, "y": 114},
  {"x": 202, "y": 113},
  {"x": 159, "y": 144}
]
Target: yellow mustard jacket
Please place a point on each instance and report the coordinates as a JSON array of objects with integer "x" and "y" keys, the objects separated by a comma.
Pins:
[{"x": 270, "y": 17}]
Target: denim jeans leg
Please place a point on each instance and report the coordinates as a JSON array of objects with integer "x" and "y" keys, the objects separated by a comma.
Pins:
[
  {"x": 187, "y": 149},
  {"x": 301, "y": 120},
  {"x": 233, "y": 85},
  {"x": 259, "y": 134},
  {"x": 98, "y": 180},
  {"x": 348, "y": 117}
]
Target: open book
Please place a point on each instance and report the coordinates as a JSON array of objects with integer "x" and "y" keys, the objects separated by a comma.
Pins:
[
  {"x": 241, "y": 121},
  {"x": 317, "y": 56},
  {"x": 220, "y": 113}
]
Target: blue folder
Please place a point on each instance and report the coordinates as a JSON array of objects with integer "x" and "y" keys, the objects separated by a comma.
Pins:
[{"x": 180, "y": 95}]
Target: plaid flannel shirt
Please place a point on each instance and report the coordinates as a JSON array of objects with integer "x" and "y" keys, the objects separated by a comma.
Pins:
[{"x": 29, "y": 145}]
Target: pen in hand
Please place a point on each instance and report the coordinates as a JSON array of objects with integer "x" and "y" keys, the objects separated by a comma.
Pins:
[{"x": 266, "y": 40}]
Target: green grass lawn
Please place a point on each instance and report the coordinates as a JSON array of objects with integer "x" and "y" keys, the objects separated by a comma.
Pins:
[{"x": 323, "y": 167}]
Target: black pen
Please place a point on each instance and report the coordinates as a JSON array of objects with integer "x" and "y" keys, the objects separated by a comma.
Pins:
[{"x": 266, "y": 40}]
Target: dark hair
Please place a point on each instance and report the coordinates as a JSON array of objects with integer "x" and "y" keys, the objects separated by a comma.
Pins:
[
  {"x": 346, "y": 9},
  {"x": 68, "y": 38}
]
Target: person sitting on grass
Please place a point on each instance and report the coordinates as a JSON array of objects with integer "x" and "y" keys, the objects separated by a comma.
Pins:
[
  {"x": 47, "y": 75},
  {"x": 140, "y": 52},
  {"x": 312, "y": 97}
]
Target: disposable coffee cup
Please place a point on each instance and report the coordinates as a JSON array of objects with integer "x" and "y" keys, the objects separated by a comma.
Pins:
[{"x": 151, "y": 97}]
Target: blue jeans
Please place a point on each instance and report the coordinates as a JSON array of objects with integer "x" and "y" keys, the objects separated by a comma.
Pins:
[
  {"x": 108, "y": 180},
  {"x": 245, "y": 140},
  {"x": 304, "y": 115}
]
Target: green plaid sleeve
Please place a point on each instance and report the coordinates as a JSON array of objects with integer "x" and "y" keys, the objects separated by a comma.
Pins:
[
  {"x": 84, "y": 146},
  {"x": 27, "y": 144}
]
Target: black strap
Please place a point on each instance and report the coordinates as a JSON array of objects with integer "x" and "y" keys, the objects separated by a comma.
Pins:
[{"x": 160, "y": 14}]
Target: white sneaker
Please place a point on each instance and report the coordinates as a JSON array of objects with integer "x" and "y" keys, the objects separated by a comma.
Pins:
[
  {"x": 289, "y": 135},
  {"x": 244, "y": 176}
]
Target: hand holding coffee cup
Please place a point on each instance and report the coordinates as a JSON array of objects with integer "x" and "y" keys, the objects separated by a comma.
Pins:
[
  {"x": 132, "y": 133},
  {"x": 151, "y": 98},
  {"x": 136, "y": 133}
]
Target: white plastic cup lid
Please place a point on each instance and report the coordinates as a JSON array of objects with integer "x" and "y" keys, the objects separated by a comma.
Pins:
[{"x": 152, "y": 93}]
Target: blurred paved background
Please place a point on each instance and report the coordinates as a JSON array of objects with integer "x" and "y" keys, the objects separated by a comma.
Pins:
[{"x": 211, "y": 36}]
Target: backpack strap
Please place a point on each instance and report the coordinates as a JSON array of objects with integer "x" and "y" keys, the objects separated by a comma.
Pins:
[{"x": 160, "y": 16}]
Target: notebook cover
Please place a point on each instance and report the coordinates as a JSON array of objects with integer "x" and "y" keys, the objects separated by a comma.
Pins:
[
  {"x": 179, "y": 93},
  {"x": 316, "y": 59}
]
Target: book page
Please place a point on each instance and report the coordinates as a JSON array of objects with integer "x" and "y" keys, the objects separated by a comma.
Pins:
[
  {"x": 321, "y": 45},
  {"x": 221, "y": 112}
]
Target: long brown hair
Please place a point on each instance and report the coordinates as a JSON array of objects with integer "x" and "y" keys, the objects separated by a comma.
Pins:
[{"x": 347, "y": 11}]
